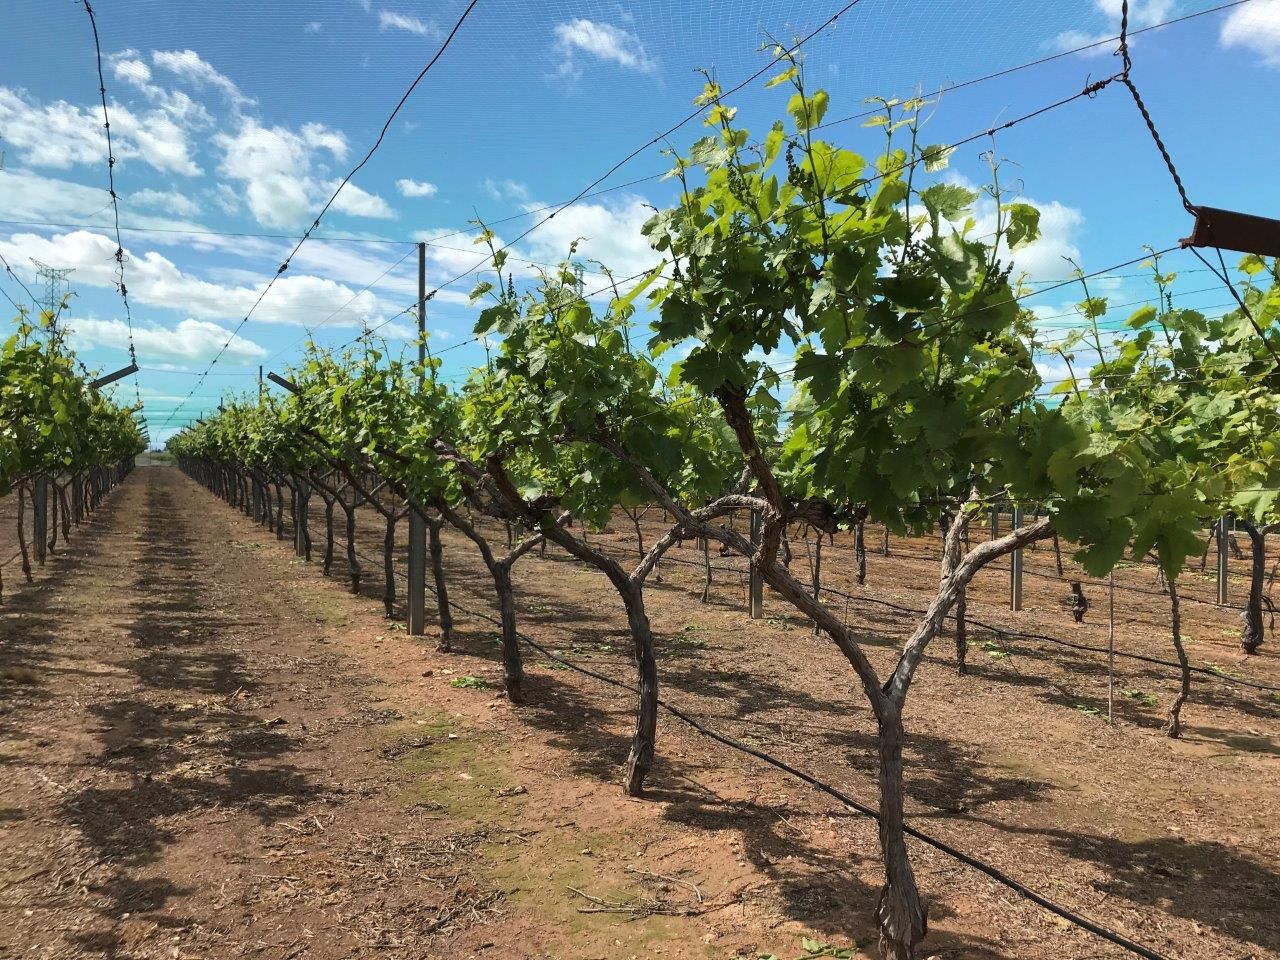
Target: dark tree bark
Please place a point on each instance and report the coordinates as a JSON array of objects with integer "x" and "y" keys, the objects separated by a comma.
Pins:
[
  {"x": 304, "y": 516},
  {"x": 279, "y": 509},
  {"x": 644, "y": 740},
  {"x": 65, "y": 512},
  {"x": 900, "y": 913},
  {"x": 353, "y": 565},
  {"x": 500, "y": 571},
  {"x": 328, "y": 535},
  {"x": 51, "y": 508},
  {"x": 1079, "y": 603},
  {"x": 1252, "y": 632}
]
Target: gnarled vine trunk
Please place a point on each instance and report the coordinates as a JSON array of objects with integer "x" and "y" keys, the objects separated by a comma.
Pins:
[
  {"x": 512, "y": 663},
  {"x": 644, "y": 740},
  {"x": 1252, "y": 632},
  {"x": 353, "y": 565},
  {"x": 436, "y": 549},
  {"x": 328, "y": 535},
  {"x": 900, "y": 913}
]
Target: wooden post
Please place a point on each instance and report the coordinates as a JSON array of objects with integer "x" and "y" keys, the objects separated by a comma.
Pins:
[
  {"x": 40, "y": 517},
  {"x": 1015, "y": 568},
  {"x": 1224, "y": 535},
  {"x": 1111, "y": 648},
  {"x": 300, "y": 517},
  {"x": 755, "y": 589}
]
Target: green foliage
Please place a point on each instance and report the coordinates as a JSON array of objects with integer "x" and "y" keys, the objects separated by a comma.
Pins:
[
  {"x": 51, "y": 420},
  {"x": 1146, "y": 699},
  {"x": 470, "y": 683},
  {"x": 867, "y": 346},
  {"x": 817, "y": 948},
  {"x": 1179, "y": 418},
  {"x": 568, "y": 388}
]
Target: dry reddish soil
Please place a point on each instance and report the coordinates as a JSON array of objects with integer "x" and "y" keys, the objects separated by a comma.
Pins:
[{"x": 214, "y": 752}]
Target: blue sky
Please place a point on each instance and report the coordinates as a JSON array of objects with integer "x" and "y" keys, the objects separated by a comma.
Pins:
[{"x": 234, "y": 120}]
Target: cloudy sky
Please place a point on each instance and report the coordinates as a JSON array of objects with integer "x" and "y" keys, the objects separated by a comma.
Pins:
[{"x": 233, "y": 122}]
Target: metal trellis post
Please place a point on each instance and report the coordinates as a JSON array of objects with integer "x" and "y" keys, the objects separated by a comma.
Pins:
[
  {"x": 755, "y": 587},
  {"x": 1015, "y": 568},
  {"x": 1224, "y": 534},
  {"x": 416, "y": 599},
  {"x": 40, "y": 517},
  {"x": 300, "y": 511}
]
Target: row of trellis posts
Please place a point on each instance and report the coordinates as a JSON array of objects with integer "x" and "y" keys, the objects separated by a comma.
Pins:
[
  {"x": 416, "y": 604},
  {"x": 41, "y": 489}
]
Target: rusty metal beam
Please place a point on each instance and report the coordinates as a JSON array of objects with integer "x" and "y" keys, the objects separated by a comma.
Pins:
[{"x": 1231, "y": 230}]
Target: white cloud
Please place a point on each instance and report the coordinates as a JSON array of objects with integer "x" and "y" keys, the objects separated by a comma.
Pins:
[
  {"x": 154, "y": 280},
  {"x": 1255, "y": 27},
  {"x": 389, "y": 20},
  {"x": 416, "y": 188},
  {"x": 506, "y": 189},
  {"x": 1043, "y": 260},
  {"x": 132, "y": 71},
  {"x": 272, "y": 164},
  {"x": 191, "y": 340},
  {"x": 319, "y": 136},
  {"x": 280, "y": 173},
  {"x": 225, "y": 196},
  {"x": 607, "y": 232},
  {"x": 26, "y": 195},
  {"x": 169, "y": 201},
  {"x": 359, "y": 203},
  {"x": 61, "y": 135},
  {"x": 129, "y": 68},
  {"x": 1060, "y": 227},
  {"x": 602, "y": 41},
  {"x": 1142, "y": 13},
  {"x": 315, "y": 26},
  {"x": 190, "y": 66}
]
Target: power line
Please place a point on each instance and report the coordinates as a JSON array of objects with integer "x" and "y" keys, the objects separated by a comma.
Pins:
[
  {"x": 1088, "y": 92},
  {"x": 658, "y": 139},
  {"x": 1083, "y": 48},
  {"x": 448, "y": 40},
  {"x": 858, "y": 116},
  {"x": 18, "y": 280},
  {"x": 115, "y": 203}
]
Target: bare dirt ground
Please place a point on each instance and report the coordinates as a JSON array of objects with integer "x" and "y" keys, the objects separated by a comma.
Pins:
[{"x": 213, "y": 752}]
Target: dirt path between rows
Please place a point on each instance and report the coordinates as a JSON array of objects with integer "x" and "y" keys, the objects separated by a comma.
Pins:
[
  {"x": 199, "y": 762},
  {"x": 211, "y": 752}
]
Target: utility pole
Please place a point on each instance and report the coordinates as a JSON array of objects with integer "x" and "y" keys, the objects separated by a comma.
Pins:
[
  {"x": 416, "y": 606},
  {"x": 260, "y": 384},
  {"x": 56, "y": 286}
]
